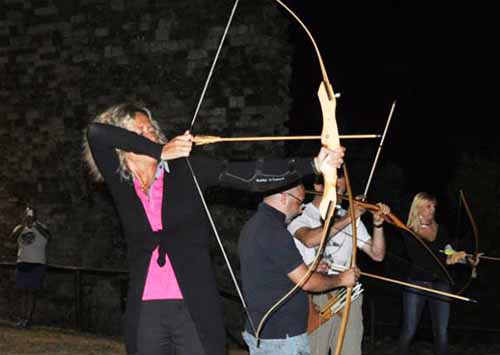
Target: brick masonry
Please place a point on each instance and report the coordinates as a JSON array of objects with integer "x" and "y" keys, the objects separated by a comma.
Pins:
[{"x": 64, "y": 61}]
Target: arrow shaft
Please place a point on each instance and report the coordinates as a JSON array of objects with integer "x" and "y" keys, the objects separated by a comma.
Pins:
[
  {"x": 407, "y": 284},
  {"x": 485, "y": 257},
  {"x": 200, "y": 140},
  {"x": 492, "y": 258},
  {"x": 365, "y": 193},
  {"x": 418, "y": 287}
]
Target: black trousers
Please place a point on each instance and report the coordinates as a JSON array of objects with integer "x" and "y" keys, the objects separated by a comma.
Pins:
[{"x": 166, "y": 328}]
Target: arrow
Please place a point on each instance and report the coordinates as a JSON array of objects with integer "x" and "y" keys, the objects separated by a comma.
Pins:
[{"x": 202, "y": 140}]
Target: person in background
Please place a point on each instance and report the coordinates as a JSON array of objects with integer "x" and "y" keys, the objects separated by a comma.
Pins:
[
  {"x": 426, "y": 272},
  {"x": 32, "y": 237}
]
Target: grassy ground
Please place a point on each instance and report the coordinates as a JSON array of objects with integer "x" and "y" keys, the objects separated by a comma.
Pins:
[
  {"x": 50, "y": 341},
  {"x": 54, "y": 341}
]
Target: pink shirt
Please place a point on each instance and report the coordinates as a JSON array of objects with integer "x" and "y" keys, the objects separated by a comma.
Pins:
[{"x": 161, "y": 282}]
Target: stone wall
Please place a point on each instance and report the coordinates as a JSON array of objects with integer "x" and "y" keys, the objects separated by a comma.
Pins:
[{"x": 64, "y": 61}]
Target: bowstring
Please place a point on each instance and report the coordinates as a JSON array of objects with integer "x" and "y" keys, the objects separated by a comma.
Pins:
[
  {"x": 216, "y": 57},
  {"x": 200, "y": 192}
]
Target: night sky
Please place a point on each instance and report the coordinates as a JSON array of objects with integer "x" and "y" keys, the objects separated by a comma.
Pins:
[{"x": 433, "y": 59}]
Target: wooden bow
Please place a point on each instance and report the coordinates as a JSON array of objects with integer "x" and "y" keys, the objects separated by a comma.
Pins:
[
  {"x": 395, "y": 221},
  {"x": 329, "y": 139}
]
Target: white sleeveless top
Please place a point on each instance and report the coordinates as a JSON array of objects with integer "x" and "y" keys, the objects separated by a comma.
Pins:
[{"x": 31, "y": 246}]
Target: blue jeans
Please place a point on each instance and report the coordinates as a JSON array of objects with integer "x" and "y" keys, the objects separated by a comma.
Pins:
[
  {"x": 413, "y": 305},
  {"x": 297, "y": 345}
]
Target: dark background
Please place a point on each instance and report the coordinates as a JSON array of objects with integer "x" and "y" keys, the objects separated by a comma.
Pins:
[{"x": 434, "y": 58}]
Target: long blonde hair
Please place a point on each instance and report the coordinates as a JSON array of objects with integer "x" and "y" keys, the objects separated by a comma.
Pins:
[
  {"x": 122, "y": 116},
  {"x": 419, "y": 201}
]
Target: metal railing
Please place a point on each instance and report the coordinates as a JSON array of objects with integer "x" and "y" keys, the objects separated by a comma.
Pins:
[{"x": 80, "y": 272}]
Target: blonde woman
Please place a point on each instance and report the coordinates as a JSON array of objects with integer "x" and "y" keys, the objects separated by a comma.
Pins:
[
  {"x": 426, "y": 272},
  {"x": 173, "y": 306}
]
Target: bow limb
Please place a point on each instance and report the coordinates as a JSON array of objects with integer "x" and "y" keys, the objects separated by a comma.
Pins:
[
  {"x": 347, "y": 307},
  {"x": 475, "y": 230},
  {"x": 316, "y": 49}
]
